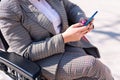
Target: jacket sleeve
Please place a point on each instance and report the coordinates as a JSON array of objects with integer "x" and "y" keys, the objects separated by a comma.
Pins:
[
  {"x": 18, "y": 37},
  {"x": 74, "y": 12}
]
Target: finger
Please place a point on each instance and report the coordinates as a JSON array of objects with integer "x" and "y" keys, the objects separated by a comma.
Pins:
[
  {"x": 92, "y": 21},
  {"x": 91, "y": 26},
  {"x": 82, "y": 29},
  {"x": 77, "y": 25},
  {"x": 83, "y": 20},
  {"x": 84, "y": 32}
]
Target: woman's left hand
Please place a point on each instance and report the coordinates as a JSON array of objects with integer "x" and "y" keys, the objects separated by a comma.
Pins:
[{"x": 90, "y": 25}]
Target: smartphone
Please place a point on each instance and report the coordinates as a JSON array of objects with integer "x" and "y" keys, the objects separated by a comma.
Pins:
[{"x": 90, "y": 19}]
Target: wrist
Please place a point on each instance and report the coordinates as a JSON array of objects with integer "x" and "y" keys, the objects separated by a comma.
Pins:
[{"x": 65, "y": 38}]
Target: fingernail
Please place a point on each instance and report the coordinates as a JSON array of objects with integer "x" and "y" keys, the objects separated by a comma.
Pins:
[{"x": 83, "y": 21}]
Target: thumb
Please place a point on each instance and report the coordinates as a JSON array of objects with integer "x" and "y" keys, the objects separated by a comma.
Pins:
[
  {"x": 83, "y": 28},
  {"x": 77, "y": 25}
]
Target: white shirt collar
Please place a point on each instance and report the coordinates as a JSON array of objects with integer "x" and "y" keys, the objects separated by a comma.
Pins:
[{"x": 49, "y": 12}]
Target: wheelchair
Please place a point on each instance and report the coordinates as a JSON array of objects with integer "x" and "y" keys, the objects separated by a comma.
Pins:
[{"x": 16, "y": 66}]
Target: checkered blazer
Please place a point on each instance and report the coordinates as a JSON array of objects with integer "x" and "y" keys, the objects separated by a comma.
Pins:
[{"x": 29, "y": 32}]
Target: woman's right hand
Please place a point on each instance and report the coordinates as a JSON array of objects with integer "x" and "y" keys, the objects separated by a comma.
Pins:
[{"x": 75, "y": 32}]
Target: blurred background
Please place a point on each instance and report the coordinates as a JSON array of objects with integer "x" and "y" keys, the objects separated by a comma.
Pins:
[{"x": 106, "y": 34}]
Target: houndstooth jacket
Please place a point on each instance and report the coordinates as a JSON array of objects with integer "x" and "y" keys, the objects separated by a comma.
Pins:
[{"x": 29, "y": 33}]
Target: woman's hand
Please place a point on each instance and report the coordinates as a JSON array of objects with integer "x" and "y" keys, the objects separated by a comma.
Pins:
[{"x": 76, "y": 32}]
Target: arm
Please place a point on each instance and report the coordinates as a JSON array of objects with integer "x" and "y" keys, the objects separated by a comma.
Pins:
[
  {"x": 18, "y": 37},
  {"x": 74, "y": 12}
]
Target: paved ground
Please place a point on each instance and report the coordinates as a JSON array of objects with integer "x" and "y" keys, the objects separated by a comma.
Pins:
[{"x": 106, "y": 35}]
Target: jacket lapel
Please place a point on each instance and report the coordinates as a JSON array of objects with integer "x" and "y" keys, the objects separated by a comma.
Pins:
[
  {"x": 61, "y": 11},
  {"x": 32, "y": 12}
]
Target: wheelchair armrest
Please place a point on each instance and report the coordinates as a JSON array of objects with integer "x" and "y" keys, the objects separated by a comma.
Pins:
[{"x": 20, "y": 64}]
